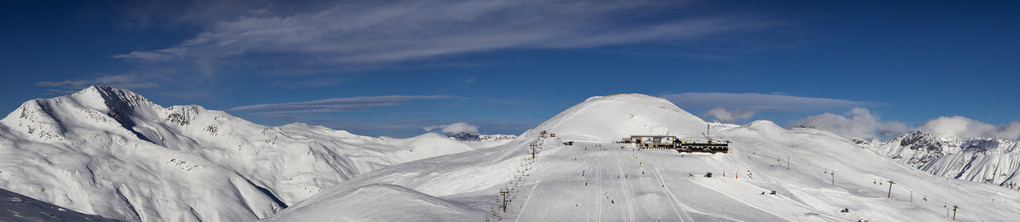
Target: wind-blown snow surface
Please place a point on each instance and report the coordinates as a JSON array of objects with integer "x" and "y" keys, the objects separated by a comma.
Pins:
[
  {"x": 982, "y": 160},
  {"x": 596, "y": 180},
  {"x": 112, "y": 152}
]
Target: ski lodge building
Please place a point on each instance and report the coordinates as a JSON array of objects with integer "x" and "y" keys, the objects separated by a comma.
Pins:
[
  {"x": 649, "y": 142},
  {"x": 671, "y": 142}
]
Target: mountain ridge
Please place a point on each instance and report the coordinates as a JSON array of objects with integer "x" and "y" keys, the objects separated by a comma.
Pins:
[
  {"x": 112, "y": 152},
  {"x": 981, "y": 160}
]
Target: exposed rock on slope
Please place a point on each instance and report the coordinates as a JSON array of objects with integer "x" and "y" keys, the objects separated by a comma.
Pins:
[{"x": 980, "y": 160}]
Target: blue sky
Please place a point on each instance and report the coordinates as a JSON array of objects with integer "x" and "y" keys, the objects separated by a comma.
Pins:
[{"x": 861, "y": 69}]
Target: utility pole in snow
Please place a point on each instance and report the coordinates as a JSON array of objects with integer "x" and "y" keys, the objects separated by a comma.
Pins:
[
  {"x": 833, "y": 177},
  {"x": 954, "y": 211},
  {"x": 787, "y": 162},
  {"x": 890, "y": 189}
]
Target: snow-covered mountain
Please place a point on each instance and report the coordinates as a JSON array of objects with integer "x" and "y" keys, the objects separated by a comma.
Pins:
[
  {"x": 111, "y": 152},
  {"x": 480, "y": 138},
  {"x": 815, "y": 176},
  {"x": 981, "y": 160}
]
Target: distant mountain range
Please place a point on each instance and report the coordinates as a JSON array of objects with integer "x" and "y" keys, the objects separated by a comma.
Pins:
[
  {"x": 111, "y": 152},
  {"x": 474, "y": 137},
  {"x": 982, "y": 160}
]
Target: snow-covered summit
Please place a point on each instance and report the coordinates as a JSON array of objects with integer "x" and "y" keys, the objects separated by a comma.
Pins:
[
  {"x": 610, "y": 118},
  {"x": 110, "y": 99}
]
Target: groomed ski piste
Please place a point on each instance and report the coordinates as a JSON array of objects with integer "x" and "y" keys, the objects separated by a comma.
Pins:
[{"x": 815, "y": 175}]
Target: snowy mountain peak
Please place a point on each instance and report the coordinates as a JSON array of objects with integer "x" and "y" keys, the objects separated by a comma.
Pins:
[
  {"x": 610, "y": 118},
  {"x": 110, "y": 98}
]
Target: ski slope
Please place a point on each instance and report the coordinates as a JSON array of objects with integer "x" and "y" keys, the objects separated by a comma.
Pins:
[
  {"x": 597, "y": 180},
  {"x": 111, "y": 152}
]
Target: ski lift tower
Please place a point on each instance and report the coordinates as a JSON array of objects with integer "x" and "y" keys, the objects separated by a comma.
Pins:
[
  {"x": 504, "y": 192},
  {"x": 890, "y": 189}
]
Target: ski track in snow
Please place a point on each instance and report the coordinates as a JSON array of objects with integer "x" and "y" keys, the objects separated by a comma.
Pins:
[
  {"x": 525, "y": 205},
  {"x": 672, "y": 198},
  {"x": 626, "y": 190}
]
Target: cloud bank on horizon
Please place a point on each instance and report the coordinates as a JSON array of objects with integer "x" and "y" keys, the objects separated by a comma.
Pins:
[
  {"x": 453, "y": 128},
  {"x": 858, "y": 122},
  {"x": 732, "y": 107},
  {"x": 861, "y": 123}
]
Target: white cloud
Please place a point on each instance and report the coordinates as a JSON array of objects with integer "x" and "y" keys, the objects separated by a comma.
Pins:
[
  {"x": 335, "y": 104},
  {"x": 344, "y": 33},
  {"x": 856, "y": 123},
  {"x": 729, "y": 115},
  {"x": 453, "y": 128},
  {"x": 758, "y": 101},
  {"x": 128, "y": 81},
  {"x": 963, "y": 127}
]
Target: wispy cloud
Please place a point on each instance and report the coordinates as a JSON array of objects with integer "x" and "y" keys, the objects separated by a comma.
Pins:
[
  {"x": 128, "y": 81},
  {"x": 333, "y": 105},
  {"x": 759, "y": 101},
  {"x": 367, "y": 32},
  {"x": 407, "y": 128}
]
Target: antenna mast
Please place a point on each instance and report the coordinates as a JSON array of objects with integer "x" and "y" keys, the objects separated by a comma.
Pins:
[{"x": 708, "y": 129}]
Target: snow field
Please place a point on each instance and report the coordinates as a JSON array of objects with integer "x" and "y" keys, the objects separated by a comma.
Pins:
[
  {"x": 111, "y": 152},
  {"x": 653, "y": 185}
]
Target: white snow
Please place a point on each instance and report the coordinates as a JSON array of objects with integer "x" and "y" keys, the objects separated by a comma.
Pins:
[
  {"x": 982, "y": 160},
  {"x": 110, "y": 152},
  {"x": 624, "y": 184}
]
